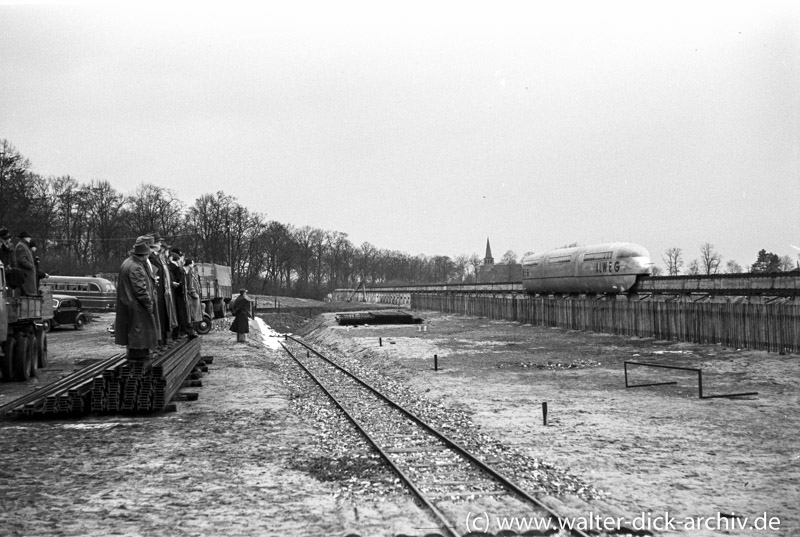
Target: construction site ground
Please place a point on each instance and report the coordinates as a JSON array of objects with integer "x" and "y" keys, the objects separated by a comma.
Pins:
[{"x": 249, "y": 457}]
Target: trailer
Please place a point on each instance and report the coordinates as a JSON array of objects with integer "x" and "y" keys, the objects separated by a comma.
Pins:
[
  {"x": 215, "y": 292},
  {"x": 23, "y": 341}
]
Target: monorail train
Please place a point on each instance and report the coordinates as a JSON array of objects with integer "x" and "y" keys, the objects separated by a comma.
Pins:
[{"x": 612, "y": 267}]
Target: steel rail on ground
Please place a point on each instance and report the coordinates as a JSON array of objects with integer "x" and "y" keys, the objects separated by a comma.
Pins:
[
  {"x": 461, "y": 450},
  {"x": 112, "y": 385},
  {"x": 407, "y": 480},
  {"x": 62, "y": 385}
]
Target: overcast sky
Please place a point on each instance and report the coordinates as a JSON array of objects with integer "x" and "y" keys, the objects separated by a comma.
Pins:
[{"x": 428, "y": 127}]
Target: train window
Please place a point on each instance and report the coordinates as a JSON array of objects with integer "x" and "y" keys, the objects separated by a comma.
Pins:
[
  {"x": 93, "y": 287},
  {"x": 560, "y": 259},
  {"x": 597, "y": 256}
]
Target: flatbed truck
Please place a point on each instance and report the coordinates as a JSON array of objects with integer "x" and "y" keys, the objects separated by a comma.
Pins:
[{"x": 23, "y": 341}]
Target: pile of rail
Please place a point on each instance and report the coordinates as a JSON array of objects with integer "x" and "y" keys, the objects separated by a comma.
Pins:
[
  {"x": 114, "y": 385},
  {"x": 376, "y": 317}
]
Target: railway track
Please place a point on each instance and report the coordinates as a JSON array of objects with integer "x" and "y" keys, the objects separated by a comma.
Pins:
[{"x": 441, "y": 473}]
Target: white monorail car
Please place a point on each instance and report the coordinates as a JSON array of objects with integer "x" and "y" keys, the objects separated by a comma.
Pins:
[{"x": 599, "y": 268}]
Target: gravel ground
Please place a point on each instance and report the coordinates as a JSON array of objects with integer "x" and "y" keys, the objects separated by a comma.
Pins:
[
  {"x": 657, "y": 453},
  {"x": 261, "y": 453}
]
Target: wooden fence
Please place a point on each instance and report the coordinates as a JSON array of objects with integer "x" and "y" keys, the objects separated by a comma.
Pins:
[{"x": 769, "y": 327}]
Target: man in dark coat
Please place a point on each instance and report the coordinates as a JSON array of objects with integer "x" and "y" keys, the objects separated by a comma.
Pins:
[
  {"x": 165, "y": 317},
  {"x": 135, "y": 325},
  {"x": 14, "y": 276},
  {"x": 178, "y": 277},
  {"x": 241, "y": 311},
  {"x": 23, "y": 258}
]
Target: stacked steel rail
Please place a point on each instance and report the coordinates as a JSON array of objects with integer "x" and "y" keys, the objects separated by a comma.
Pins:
[
  {"x": 113, "y": 385},
  {"x": 419, "y": 437}
]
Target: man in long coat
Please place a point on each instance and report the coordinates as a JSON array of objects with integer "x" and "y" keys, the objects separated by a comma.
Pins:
[
  {"x": 193, "y": 300},
  {"x": 23, "y": 257},
  {"x": 135, "y": 325},
  {"x": 241, "y": 311},
  {"x": 166, "y": 308},
  {"x": 178, "y": 276}
]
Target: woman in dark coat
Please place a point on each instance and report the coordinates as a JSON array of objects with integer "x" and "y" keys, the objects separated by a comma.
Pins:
[
  {"x": 135, "y": 325},
  {"x": 241, "y": 311}
]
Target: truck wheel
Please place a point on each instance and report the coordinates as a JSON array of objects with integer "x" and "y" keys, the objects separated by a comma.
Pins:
[
  {"x": 32, "y": 357},
  {"x": 8, "y": 358},
  {"x": 47, "y": 324},
  {"x": 20, "y": 366},
  {"x": 203, "y": 327},
  {"x": 41, "y": 345}
]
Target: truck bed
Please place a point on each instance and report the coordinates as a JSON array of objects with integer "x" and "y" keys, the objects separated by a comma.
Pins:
[{"x": 30, "y": 308}]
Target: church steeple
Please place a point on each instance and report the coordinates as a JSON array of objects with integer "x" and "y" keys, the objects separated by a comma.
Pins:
[{"x": 488, "y": 260}]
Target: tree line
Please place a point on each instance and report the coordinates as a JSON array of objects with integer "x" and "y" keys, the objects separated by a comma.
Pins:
[
  {"x": 710, "y": 262},
  {"x": 89, "y": 228}
]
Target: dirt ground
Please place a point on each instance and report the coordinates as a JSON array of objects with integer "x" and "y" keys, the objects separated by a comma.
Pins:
[{"x": 256, "y": 454}]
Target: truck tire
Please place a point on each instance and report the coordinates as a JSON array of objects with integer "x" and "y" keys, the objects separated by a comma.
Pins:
[
  {"x": 203, "y": 327},
  {"x": 19, "y": 365},
  {"x": 7, "y": 359},
  {"x": 33, "y": 356},
  {"x": 41, "y": 346}
]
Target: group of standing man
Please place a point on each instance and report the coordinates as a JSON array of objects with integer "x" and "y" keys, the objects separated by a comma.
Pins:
[
  {"x": 158, "y": 297},
  {"x": 20, "y": 264}
]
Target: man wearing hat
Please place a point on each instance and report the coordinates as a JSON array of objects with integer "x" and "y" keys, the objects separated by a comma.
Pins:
[
  {"x": 178, "y": 277},
  {"x": 167, "y": 318},
  {"x": 23, "y": 259},
  {"x": 5, "y": 247},
  {"x": 14, "y": 276},
  {"x": 135, "y": 325},
  {"x": 241, "y": 311}
]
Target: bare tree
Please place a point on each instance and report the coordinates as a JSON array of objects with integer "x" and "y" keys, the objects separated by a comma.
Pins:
[
  {"x": 476, "y": 262},
  {"x": 366, "y": 256},
  {"x": 209, "y": 223},
  {"x": 154, "y": 208},
  {"x": 339, "y": 256},
  {"x": 693, "y": 268},
  {"x": 509, "y": 258},
  {"x": 710, "y": 259},
  {"x": 104, "y": 208},
  {"x": 14, "y": 186},
  {"x": 787, "y": 263},
  {"x": 732, "y": 267},
  {"x": 307, "y": 239},
  {"x": 673, "y": 259},
  {"x": 462, "y": 266}
]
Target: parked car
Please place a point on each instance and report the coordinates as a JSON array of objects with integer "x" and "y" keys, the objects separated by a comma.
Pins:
[{"x": 67, "y": 310}]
